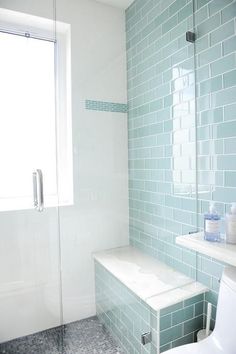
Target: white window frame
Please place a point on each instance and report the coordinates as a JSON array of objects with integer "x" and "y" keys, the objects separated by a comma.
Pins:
[{"x": 60, "y": 33}]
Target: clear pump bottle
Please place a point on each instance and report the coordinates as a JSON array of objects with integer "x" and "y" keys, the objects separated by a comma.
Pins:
[{"x": 212, "y": 225}]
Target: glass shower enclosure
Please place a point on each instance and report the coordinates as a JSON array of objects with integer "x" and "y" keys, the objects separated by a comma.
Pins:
[{"x": 30, "y": 280}]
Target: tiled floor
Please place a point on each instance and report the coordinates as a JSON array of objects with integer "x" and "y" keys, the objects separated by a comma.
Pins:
[{"x": 82, "y": 337}]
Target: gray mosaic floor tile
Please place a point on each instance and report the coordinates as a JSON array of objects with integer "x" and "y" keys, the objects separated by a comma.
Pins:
[{"x": 83, "y": 337}]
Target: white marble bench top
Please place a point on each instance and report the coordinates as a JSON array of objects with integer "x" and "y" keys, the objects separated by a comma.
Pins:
[{"x": 153, "y": 281}]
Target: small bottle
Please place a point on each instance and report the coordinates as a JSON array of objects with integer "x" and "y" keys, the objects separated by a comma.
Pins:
[
  {"x": 231, "y": 225},
  {"x": 212, "y": 225}
]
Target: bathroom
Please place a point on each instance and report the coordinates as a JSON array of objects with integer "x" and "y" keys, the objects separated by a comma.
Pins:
[{"x": 117, "y": 133}]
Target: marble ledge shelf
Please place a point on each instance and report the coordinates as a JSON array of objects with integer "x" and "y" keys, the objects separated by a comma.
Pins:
[
  {"x": 220, "y": 251},
  {"x": 152, "y": 281}
]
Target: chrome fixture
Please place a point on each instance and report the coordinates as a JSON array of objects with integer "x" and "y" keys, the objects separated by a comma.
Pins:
[
  {"x": 146, "y": 338},
  {"x": 38, "y": 190},
  {"x": 190, "y": 37}
]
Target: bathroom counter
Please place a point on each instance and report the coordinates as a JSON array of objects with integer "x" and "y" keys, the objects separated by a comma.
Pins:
[
  {"x": 220, "y": 251},
  {"x": 151, "y": 280}
]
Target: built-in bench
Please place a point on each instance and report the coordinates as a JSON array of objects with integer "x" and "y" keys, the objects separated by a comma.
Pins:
[{"x": 137, "y": 295}]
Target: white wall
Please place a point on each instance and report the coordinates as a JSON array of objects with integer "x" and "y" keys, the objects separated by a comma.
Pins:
[{"x": 99, "y": 217}]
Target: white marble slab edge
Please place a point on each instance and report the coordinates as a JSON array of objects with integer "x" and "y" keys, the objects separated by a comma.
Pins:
[
  {"x": 220, "y": 251},
  {"x": 152, "y": 281}
]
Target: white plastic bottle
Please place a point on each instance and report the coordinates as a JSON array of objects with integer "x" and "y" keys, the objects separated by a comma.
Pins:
[{"x": 230, "y": 220}]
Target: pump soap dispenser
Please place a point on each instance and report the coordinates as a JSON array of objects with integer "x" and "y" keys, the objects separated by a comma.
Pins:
[
  {"x": 231, "y": 225},
  {"x": 212, "y": 224}
]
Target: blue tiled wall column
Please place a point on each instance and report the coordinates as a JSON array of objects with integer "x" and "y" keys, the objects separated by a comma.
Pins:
[{"x": 177, "y": 92}]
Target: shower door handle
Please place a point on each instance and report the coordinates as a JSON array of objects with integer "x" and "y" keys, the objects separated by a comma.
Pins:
[{"x": 38, "y": 190}]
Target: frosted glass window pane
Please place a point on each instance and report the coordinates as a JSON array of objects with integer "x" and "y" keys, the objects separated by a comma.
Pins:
[{"x": 27, "y": 117}]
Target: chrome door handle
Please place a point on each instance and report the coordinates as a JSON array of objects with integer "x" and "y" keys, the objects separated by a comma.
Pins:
[
  {"x": 38, "y": 190},
  {"x": 35, "y": 189}
]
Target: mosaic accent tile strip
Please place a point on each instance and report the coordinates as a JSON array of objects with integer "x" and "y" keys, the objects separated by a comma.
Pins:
[
  {"x": 126, "y": 317},
  {"x": 162, "y": 87},
  {"x": 85, "y": 337},
  {"x": 106, "y": 106}
]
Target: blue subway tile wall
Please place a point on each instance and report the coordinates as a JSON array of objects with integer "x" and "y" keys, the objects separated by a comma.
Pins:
[
  {"x": 181, "y": 123},
  {"x": 127, "y": 317},
  {"x": 106, "y": 106},
  {"x": 161, "y": 121},
  {"x": 215, "y": 121}
]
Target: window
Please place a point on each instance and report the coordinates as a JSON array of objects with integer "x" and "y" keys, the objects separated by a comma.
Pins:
[{"x": 35, "y": 128}]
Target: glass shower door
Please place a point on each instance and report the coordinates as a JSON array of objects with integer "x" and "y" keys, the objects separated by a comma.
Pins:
[{"x": 30, "y": 287}]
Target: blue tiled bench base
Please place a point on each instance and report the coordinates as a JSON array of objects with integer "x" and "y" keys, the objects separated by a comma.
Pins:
[
  {"x": 126, "y": 316},
  {"x": 179, "y": 323}
]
